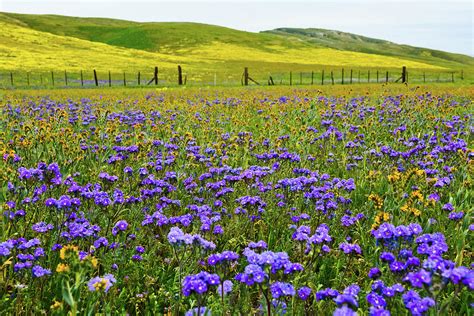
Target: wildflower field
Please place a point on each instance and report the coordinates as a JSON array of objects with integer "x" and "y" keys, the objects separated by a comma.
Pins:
[{"x": 233, "y": 201}]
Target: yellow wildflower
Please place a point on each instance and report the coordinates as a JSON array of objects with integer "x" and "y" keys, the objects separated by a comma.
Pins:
[
  {"x": 56, "y": 305},
  {"x": 68, "y": 248},
  {"x": 62, "y": 268}
]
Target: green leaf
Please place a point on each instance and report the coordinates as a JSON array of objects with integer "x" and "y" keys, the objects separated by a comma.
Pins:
[{"x": 67, "y": 295}]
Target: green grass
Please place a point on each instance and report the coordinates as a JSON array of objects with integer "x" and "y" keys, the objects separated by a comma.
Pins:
[
  {"x": 208, "y": 137},
  {"x": 44, "y": 43}
]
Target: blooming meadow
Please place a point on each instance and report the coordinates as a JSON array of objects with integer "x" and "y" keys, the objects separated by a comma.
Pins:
[{"x": 233, "y": 201}]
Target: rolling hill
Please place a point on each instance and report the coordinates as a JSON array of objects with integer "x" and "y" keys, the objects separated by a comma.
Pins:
[
  {"x": 357, "y": 43},
  {"x": 52, "y": 42}
]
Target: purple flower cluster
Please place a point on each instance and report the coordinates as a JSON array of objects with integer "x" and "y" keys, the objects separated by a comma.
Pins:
[
  {"x": 260, "y": 264},
  {"x": 456, "y": 216},
  {"x": 104, "y": 283},
  {"x": 42, "y": 227},
  {"x": 417, "y": 305},
  {"x": 433, "y": 271},
  {"x": 198, "y": 311},
  {"x": 101, "y": 242},
  {"x": 374, "y": 273},
  {"x": 405, "y": 260},
  {"x": 349, "y": 296},
  {"x": 199, "y": 283},
  {"x": 304, "y": 293},
  {"x": 390, "y": 236},
  {"x": 348, "y": 248},
  {"x": 6, "y": 247},
  {"x": 279, "y": 289},
  {"x": 107, "y": 177},
  {"x": 120, "y": 226},
  {"x": 419, "y": 278},
  {"x": 258, "y": 245},
  {"x": 275, "y": 261},
  {"x": 65, "y": 202},
  {"x": 11, "y": 215},
  {"x": 39, "y": 271},
  {"x": 27, "y": 253},
  {"x": 248, "y": 203},
  {"x": 459, "y": 275},
  {"x": 78, "y": 227},
  {"x": 320, "y": 237},
  {"x": 252, "y": 274},
  {"x": 346, "y": 301},
  {"x": 225, "y": 287},
  {"x": 221, "y": 258},
  {"x": 42, "y": 172},
  {"x": 380, "y": 295},
  {"x": 177, "y": 237},
  {"x": 431, "y": 244},
  {"x": 348, "y": 221}
]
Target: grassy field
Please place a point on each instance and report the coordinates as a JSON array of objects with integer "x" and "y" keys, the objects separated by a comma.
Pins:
[
  {"x": 40, "y": 44},
  {"x": 296, "y": 200},
  {"x": 350, "y": 198}
]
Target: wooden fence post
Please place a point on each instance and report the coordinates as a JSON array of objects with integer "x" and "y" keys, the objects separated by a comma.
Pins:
[
  {"x": 291, "y": 78},
  {"x": 301, "y": 78},
  {"x": 138, "y": 78},
  {"x": 377, "y": 76},
  {"x": 312, "y": 77},
  {"x": 52, "y": 77},
  {"x": 322, "y": 78},
  {"x": 41, "y": 79},
  {"x": 332, "y": 77},
  {"x": 351, "y": 78},
  {"x": 247, "y": 77},
  {"x": 95, "y": 78},
  {"x": 82, "y": 79},
  {"x": 386, "y": 77},
  {"x": 28, "y": 78},
  {"x": 404, "y": 74},
  {"x": 11, "y": 78},
  {"x": 180, "y": 75},
  {"x": 342, "y": 79},
  {"x": 124, "y": 80},
  {"x": 185, "y": 79},
  {"x": 452, "y": 76},
  {"x": 65, "y": 77},
  {"x": 156, "y": 76},
  {"x": 368, "y": 76},
  {"x": 110, "y": 79},
  {"x": 462, "y": 74}
]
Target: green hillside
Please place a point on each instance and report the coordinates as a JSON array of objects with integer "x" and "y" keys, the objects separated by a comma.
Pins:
[
  {"x": 151, "y": 36},
  {"x": 358, "y": 43},
  {"x": 44, "y": 43}
]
